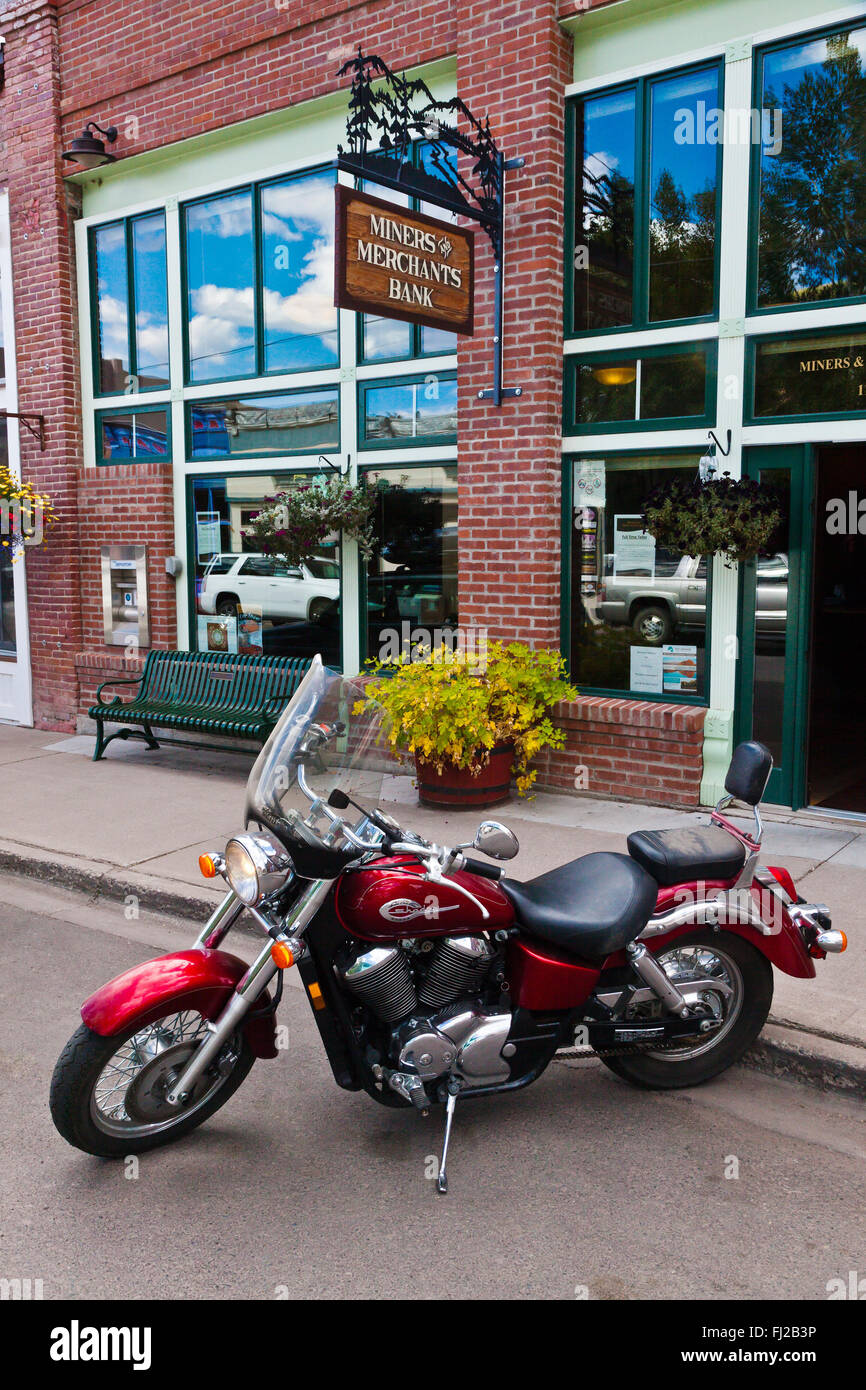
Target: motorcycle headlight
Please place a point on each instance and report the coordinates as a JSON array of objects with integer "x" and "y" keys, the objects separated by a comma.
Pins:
[{"x": 255, "y": 867}]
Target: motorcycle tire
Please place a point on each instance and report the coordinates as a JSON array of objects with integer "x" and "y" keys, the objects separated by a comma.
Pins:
[
  {"x": 73, "y": 1092},
  {"x": 675, "y": 1069}
]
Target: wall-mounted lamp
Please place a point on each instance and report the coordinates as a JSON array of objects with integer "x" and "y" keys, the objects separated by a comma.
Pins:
[{"x": 89, "y": 152}]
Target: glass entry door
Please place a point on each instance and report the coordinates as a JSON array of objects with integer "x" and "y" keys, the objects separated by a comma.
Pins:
[{"x": 772, "y": 701}]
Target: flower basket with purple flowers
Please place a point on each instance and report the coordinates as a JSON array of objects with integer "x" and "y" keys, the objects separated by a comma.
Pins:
[{"x": 296, "y": 522}]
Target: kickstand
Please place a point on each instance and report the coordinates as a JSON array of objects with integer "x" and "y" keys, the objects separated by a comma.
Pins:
[{"x": 453, "y": 1093}]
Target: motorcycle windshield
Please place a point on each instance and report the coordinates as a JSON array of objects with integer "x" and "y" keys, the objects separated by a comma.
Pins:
[{"x": 354, "y": 760}]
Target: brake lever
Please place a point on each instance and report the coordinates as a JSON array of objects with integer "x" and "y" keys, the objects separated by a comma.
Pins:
[{"x": 435, "y": 875}]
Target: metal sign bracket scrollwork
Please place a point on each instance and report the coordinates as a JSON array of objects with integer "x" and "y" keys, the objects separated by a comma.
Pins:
[
  {"x": 34, "y": 424},
  {"x": 388, "y": 114}
]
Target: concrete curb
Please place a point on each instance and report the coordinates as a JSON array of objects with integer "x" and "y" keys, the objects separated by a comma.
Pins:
[{"x": 784, "y": 1049}]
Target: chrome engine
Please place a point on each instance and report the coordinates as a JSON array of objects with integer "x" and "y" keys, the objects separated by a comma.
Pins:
[{"x": 430, "y": 1002}]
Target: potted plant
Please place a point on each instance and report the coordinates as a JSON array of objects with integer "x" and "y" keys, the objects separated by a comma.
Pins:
[
  {"x": 471, "y": 723},
  {"x": 24, "y": 513},
  {"x": 294, "y": 523},
  {"x": 734, "y": 517}
]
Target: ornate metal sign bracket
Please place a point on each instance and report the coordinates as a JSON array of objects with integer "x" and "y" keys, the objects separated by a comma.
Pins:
[
  {"x": 388, "y": 114},
  {"x": 34, "y": 424}
]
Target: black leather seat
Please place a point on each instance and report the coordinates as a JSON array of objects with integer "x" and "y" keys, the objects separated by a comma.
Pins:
[
  {"x": 592, "y": 907},
  {"x": 682, "y": 856}
]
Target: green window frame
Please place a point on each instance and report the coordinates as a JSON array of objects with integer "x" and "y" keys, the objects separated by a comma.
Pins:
[
  {"x": 752, "y": 306},
  {"x": 814, "y": 336},
  {"x": 132, "y": 308},
  {"x": 642, "y": 87},
  {"x": 255, "y": 189},
  {"x": 566, "y": 587},
  {"x": 262, "y": 398},
  {"x": 707, "y": 346},
  {"x": 117, "y": 412},
  {"x": 419, "y": 441}
]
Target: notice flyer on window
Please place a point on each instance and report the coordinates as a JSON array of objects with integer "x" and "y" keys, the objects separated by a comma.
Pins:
[
  {"x": 646, "y": 670},
  {"x": 680, "y": 668},
  {"x": 634, "y": 549},
  {"x": 207, "y": 534},
  {"x": 217, "y": 634},
  {"x": 250, "y": 631},
  {"x": 589, "y": 478}
]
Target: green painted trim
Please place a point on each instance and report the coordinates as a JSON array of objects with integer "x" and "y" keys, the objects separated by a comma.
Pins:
[
  {"x": 700, "y": 701},
  {"x": 419, "y": 441},
  {"x": 132, "y": 409},
  {"x": 752, "y": 307},
  {"x": 642, "y": 88},
  {"x": 131, "y": 345},
  {"x": 708, "y": 346}
]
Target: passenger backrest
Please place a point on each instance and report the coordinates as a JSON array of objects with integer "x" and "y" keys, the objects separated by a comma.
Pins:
[{"x": 749, "y": 772}]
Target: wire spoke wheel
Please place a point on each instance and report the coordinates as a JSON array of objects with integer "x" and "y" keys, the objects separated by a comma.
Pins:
[{"x": 710, "y": 979}]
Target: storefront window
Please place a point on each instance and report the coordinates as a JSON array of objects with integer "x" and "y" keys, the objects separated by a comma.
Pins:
[
  {"x": 812, "y": 184},
  {"x": 7, "y": 604},
  {"x": 639, "y": 612},
  {"x": 130, "y": 276},
  {"x": 251, "y": 603},
  {"x": 220, "y": 288},
  {"x": 125, "y": 436},
  {"x": 818, "y": 375},
  {"x": 299, "y": 422},
  {"x": 409, "y": 412},
  {"x": 619, "y": 391},
  {"x": 649, "y": 181},
  {"x": 412, "y": 578},
  {"x": 300, "y": 321}
]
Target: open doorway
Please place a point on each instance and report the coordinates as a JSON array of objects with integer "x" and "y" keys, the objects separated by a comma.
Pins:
[{"x": 836, "y": 753}]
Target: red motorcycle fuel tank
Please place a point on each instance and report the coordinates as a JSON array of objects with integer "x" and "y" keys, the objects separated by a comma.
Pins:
[{"x": 392, "y": 899}]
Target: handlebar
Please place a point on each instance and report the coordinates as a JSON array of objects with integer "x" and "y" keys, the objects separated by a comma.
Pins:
[{"x": 477, "y": 866}]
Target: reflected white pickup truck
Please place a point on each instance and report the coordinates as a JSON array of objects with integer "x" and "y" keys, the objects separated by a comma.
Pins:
[{"x": 658, "y": 608}]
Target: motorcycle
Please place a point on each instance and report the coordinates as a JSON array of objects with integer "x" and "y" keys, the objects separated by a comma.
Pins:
[{"x": 431, "y": 976}]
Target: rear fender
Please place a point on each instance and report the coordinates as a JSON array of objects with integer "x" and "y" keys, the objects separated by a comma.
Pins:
[{"x": 196, "y": 979}]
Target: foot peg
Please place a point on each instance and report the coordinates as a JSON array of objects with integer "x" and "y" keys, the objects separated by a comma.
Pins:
[{"x": 453, "y": 1093}]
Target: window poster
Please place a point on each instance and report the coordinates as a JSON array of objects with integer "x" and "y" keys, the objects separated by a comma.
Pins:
[
  {"x": 680, "y": 669},
  {"x": 207, "y": 534},
  {"x": 589, "y": 478},
  {"x": 217, "y": 634},
  {"x": 646, "y": 670},
  {"x": 634, "y": 549},
  {"x": 250, "y": 631}
]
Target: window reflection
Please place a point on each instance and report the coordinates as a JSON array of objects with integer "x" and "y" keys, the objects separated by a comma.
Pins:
[
  {"x": 131, "y": 435},
  {"x": 253, "y": 603},
  {"x": 415, "y": 410},
  {"x": 295, "y": 422},
  {"x": 812, "y": 189},
  {"x": 300, "y": 321},
  {"x": 412, "y": 577},
  {"x": 112, "y": 299},
  {"x": 682, "y": 191},
  {"x": 221, "y": 301},
  {"x": 151, "y": 302},
  {"x": 639, "y": 611},
  {"x": 604, "y": 216}
]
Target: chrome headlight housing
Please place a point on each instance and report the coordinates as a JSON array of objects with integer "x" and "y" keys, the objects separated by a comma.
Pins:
[{"x": 255, "y": 867}]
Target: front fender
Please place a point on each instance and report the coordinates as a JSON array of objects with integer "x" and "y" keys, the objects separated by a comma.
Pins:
[{"x": 196, "y": 979}]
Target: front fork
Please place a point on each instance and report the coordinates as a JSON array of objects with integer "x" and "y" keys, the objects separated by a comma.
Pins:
[{"x": 251, "y": 984}]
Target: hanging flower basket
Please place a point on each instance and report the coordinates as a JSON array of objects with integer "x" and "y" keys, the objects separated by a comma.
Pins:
[
  {"x": 25, "y": 514},
  {"x": 733, "y": 517},
  {"x": 296, "y": 523}
]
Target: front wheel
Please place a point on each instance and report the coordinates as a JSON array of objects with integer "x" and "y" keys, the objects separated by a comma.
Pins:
[
  {"x": 734, "y": 981},
  {"x": 108, "y": 1094}
]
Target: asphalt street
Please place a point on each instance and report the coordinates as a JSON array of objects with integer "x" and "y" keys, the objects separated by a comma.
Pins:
[{"x": 578, "y": 1187}]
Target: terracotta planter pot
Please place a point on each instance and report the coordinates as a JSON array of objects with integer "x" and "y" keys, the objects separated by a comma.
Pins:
[{"x": 456, "y": 788}]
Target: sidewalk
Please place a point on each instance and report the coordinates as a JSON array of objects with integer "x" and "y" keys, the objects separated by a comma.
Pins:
[{"x": 136, "y": 823}]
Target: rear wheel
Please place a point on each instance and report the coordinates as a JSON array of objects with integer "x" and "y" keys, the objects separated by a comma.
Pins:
[
  {"x": 734, "y": 982},
  {"x": 318, "y": 609},
  {"x": 227, "y": 606},
  {"x": 108, "y": 1094}
]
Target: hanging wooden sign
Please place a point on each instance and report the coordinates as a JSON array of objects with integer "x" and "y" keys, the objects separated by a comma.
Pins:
[{"x": 401, "y": 264}]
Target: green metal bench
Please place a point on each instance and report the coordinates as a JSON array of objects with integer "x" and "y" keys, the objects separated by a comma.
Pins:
[{"x": 207, "y": 692}]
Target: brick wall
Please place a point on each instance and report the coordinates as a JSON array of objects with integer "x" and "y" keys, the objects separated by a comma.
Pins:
[
  {"x": 41, "y": 212},
  {"x": 634, "y": 750}
]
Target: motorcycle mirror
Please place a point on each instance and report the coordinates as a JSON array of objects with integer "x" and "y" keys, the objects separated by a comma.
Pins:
[{"x": 495, "y": 840}]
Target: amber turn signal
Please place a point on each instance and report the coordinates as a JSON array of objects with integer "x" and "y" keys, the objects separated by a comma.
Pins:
[
  {"x": 207, "y": 866},
  {"x": 281, "y": 955}
]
